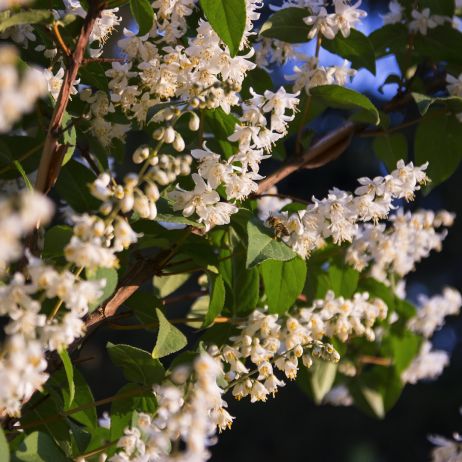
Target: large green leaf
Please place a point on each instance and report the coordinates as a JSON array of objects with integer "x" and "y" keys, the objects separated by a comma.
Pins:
[
  {"x": 284, "y": 282},
  {"x": 287, "y": 25},
  {"x": 4, "y": 448},
  {"x": 342, "y": 280},
  {"x": 390, "y": 148},
  {"x": 144, "y": 15},
  {"x": 39, "y": 447},
  {"x": 221, "y": 125},
  {"x": 438, "y": 140},
  {"x": 391, "y": 38},
  {"x": 168, "y": 284},
  {"x": 138, "y": 365},
  {"x": 318, "y": 380},
  {"x": 228, "y": 19},
  {"x": 111, "y": 278},
  {"x": 169, "y": 340},
  {"x": 357, "y": 48},
  {"x": 441, "y": 44},
  {"x": 262, "y": 245},
  {"x": 344, "y": 98},
  {"x": 72, "y": 187}
]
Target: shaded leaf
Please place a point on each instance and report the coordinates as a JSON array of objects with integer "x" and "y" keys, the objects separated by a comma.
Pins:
[{"x": 169, "y": 340}]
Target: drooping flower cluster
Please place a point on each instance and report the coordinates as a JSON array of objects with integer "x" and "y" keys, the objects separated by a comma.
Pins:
[
  {"x": 397, "y": 248},
  {"x": 268, "y": 342},
  {"x": 29, "y": 332},
  {"x": 446, "y": 450},
  {"x": 18, "y": 90},
  {"x": 421, "y": 21},
  {"x": 337, "y": 216},
  {"x": 239, "y": 173},
  {"x": 187, "y": 412}
]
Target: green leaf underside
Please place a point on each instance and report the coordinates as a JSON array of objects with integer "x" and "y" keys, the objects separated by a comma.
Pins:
[{"x": 169, "y": 340}]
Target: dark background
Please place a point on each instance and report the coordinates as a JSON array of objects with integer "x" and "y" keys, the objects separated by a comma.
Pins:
[{"x": 291, "y": 427}]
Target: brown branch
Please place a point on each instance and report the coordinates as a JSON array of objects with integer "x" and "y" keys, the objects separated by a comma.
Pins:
[
  {"x": 50, "y": 162},
  {"x": 104, "y": 60},
  {"x": 323, "y": 151}
]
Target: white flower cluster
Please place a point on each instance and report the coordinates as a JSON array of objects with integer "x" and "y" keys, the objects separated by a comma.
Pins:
[
  {"x": 421, "y": 22},
  {"x": 345, "y": 18},
  {"x": 428, "y": 364},
  {"x": 104, "y": 24},
  {"x": 19, "y": 215},
  {"x": 18, "y": 90},
  {"x": 398, "y": 247},
  {"x": 337, "y": 216},
  {"x": 269, "y": 340},
  {"x": 189, "y": 414},
  {"x": 30, "y": 334},
  {"x": 447, "y": 450},
  {"x": 238, "y": 173},
  {"x": 432, "y": 312},
  {"x": 311, "y": 74}
]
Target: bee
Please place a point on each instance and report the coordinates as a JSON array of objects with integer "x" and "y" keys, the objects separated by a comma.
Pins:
[{"x": 278, "y": 226}]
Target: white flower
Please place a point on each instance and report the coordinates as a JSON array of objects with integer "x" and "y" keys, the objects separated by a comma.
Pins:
[
  {"x": 322, "y": 23},
  {"x": 347, "y": 16},
  {"x": 55, "y": 82},
  {"x": 395, "y": 13},
  {"x": 424, "y": 20}
]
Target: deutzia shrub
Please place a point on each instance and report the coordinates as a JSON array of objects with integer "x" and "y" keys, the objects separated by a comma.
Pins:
[{"x": 142, "y": 144}]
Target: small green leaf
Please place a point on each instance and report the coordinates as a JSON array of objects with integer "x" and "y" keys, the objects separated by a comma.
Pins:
[
  {"x": 318, "y": 380},
  {"x": 137, "y": 365},
  {"x": 169, "y": 340},
  {"x": 262, "y": 245},
  {"x": 168, "y": 284},
  {"x": 122, "y": 409},
  {"x": 390, "y": 148},
  {"x": 438, "y": 140},
  {"x": 284, "y": 282},
  {"x": 357, "y": 48},
  {"x": 144, "y": 15},
  {"x": 217, "y": 298},
  {"x": 424, "y": 102},
  {"x": 27, "y": 17},
  {"x": 39, "y": 447},
  {"x": 228, "y": 19},
  {"x": 4, "y": 448},
  {"x": 23, "y": 174},
  {"x": 111, "y": 278},
  {"x": 287, "y": 25},
  {"x": 344, "y": 98},
  {"x": 69, "y": 369}
]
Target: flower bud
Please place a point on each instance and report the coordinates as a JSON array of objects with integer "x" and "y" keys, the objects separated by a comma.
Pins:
[
  {"x": 194, "y": 122},
  {"x": 152, "y": 192},
  {"x": 178, "y": 143},
  {"x": 158, "y": 134},
  {"x": 169, "y": 135},
  {"x": 141, "y": 154},
  {"x": 126, "y": 204},
  {"x": 141, "y": 206}
]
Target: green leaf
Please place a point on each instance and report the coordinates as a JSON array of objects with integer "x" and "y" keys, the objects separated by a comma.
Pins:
[
  {"x": 390, "y": 148},
  {"x": 111, "y": 278},
  {"x": 23, "y": 174},
  {"x": 169, "y": 340},
  {"x": 424, "y": 102},
  {"x": 402, "y": 349},
  {"x": 137, "y": 365},
  {"x": 357, "y": 48},
  {"x": 259, "y": 80},
  {"x": 287, "y": 25},
  {"x": 72, "y": 187},
  {"x": 342, "y": 280},
  {"x": 217, "y": 298},
  {"x": 69, "y": 369},
  {"x": 122, "y": 409},
  {"x": 39, "y": 447},
  {"x": 228, "y": 19},
  {"x": 389, "y": 39},
  {"x": 318, "y": 380},
  {"x": 344, "y": 98},
  {"x": 69, "y": 138},
  {"x": 56, "y": 238},
  {"x": 221, "y": 125},
  {"x": 4, "y": 448},
  {"x": 441, "y": 44},
  {"x": 438, "y": 140},
  {"x": 144, "y": 15},
  {"x": 284, "y": 282},
  {"x": 27, "y": 17},
  {"x": 168, "y": 284},
  {"x": 262, "y": 245}
]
